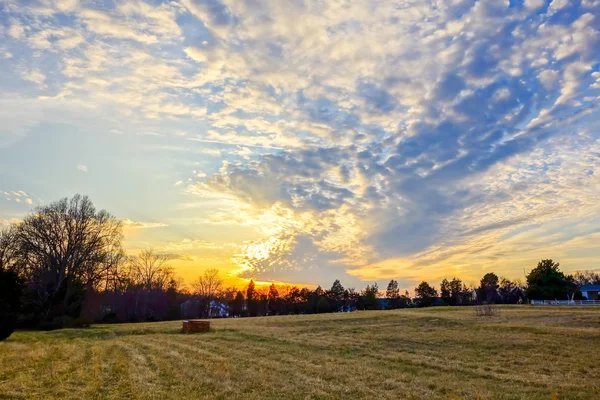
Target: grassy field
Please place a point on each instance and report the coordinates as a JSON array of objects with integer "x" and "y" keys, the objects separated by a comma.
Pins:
[{"x": 439, "y": 353}]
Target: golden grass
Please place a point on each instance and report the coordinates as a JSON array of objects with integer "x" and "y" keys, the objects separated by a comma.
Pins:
[{"x": 439, "y": 353}]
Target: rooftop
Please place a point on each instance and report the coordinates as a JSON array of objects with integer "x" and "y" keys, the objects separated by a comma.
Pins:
[{"x": 588, "y": 288}]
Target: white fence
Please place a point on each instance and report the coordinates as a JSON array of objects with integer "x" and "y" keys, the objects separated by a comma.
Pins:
[{"x": 565, "y": 302}]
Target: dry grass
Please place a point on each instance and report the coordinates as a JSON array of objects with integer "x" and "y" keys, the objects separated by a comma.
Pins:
[{"x": 438, "y": 353}]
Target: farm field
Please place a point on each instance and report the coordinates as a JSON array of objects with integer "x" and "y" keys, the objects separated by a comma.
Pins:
[{"x": 524, "y": 352}]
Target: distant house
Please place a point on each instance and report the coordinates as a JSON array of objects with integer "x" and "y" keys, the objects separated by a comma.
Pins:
[
  {"x": 590, "y": 292},
  {"x": 218, "y": 309},
  {"x": 383, "y": 304},
  {"x": 191, "y": 309}
]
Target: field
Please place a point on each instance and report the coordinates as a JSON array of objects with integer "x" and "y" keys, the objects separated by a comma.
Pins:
[{"x": 524, "y": 352}]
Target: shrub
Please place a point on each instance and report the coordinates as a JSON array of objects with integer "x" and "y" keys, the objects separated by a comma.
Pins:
[
  {"x": 486, "y": 310},
  {"x": 56, "y": 310},
  {"x": 11, "y": 288},
  {"x": 80, "y": 322},
  {"x": 8, "y": 322}
]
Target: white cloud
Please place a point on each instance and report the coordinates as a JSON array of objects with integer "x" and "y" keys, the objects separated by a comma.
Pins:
[
  {"x": 556, "y": 5},
  {"x": 534, "y": 4},
  {"x": 16, "y": 31},
  {"x": 82, "y": 168},
  {"x": 34, "y": 75},
  {"x": 129, "y": 224}
]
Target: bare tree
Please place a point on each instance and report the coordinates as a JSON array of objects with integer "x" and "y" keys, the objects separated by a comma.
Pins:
[
  {"x": 64, "y": 244},
  {"x": 586, "y": 278},
  {"x": 207, "y": 288},
  {"x": 9, "y": 251},
  {"x": 149, "y": 272}
]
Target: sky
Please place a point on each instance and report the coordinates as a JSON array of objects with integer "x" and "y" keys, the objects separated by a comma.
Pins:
[{"x": 305, "y": 141}]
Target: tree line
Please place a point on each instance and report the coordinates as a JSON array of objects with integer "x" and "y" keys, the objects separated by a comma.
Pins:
[{"x": 64, "y": 265}]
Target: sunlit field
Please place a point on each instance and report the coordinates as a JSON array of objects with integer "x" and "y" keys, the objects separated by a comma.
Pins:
[{"x": 440, "y": 353}]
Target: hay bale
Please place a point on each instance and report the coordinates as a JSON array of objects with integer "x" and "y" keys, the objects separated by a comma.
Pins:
[{"x": 195, "y": 326}]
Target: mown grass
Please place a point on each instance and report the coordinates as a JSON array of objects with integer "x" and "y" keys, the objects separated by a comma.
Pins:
[{"x": 439, "y": 353}]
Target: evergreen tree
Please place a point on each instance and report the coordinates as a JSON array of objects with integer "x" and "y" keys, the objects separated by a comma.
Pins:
[
  {"x": 456, "y": 287},
  {"x": 368, "y": 297},
  {"x": 274, "y": 301},
  {"x": 237, "y": 308},
  {"x": 393, "y": 294},
  {"x": 425, "y": 294},
  {"x": 252, "y": 299},
  {"x": 488, "y": 287},
  {"x": 336, "y": 295},
  {"x": 547, "y": 282},
  {"x": 445, "y": 293}
]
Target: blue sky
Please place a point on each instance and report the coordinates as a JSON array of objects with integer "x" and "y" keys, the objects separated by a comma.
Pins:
[{"x": 303, "y": 141}]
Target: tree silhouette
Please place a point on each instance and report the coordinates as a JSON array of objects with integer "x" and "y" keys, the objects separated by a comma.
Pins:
[
  {"x": 488, "y": 287},
  {"x": 208, "y": 288},
  {"x": 425, "y": 293},
  {"x": 368, "y": 297},
  {"x": 11, "y": 287},
  {"x": 63, "y": 247},
  {"x": 547, "y": 282},
  {"x": 510, "y": 292},
  {"x": 252, "y": 299},
  {"x": 393, "y": 294},
  {"x": 445, "y": 291},
  {"x": 237, "y": 308},
  {"x": 274, "y": 301},
  {"x": 336, "y": 295}
]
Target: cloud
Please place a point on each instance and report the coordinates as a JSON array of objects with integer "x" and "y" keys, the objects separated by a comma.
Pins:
[
  {"x": 103, "y": 24},
  {"x": 34, "y": 76},
  {"x": 129, "y": 224},
  {"x": 191, "y": 244},
  {"x": 82, "y": 168},
  {"x": 16, "y": 31},
  {"x": 7, "y": 222}
]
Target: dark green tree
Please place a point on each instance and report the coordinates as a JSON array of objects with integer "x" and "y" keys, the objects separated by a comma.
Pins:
[
  {"x": 425, "y": 294},
  {"x": 252, "y": 299},
  {"x": 548, "y": 282},
  {"x": 263, "y": 304},
  {"x": 237, "y": 306},
  {"x": 459, "y": 293},
  {"x": 368, "y": 298},
  {"x": 274, "y": 300},
  {"x": 11, "y": 287},
  {"x": 336, "y": 295},
  {"x": 173, "y": 309},
  {"x": 488, "y": 288},
  {"x": 351, "y": 299},
  {"x": 393, "y": 294},
  {"x": 319, "y": 291},
  {"x": 445, "y": 292},
  {"x": 322, "y": 305},
  {"x": 313, "y": 300}
]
